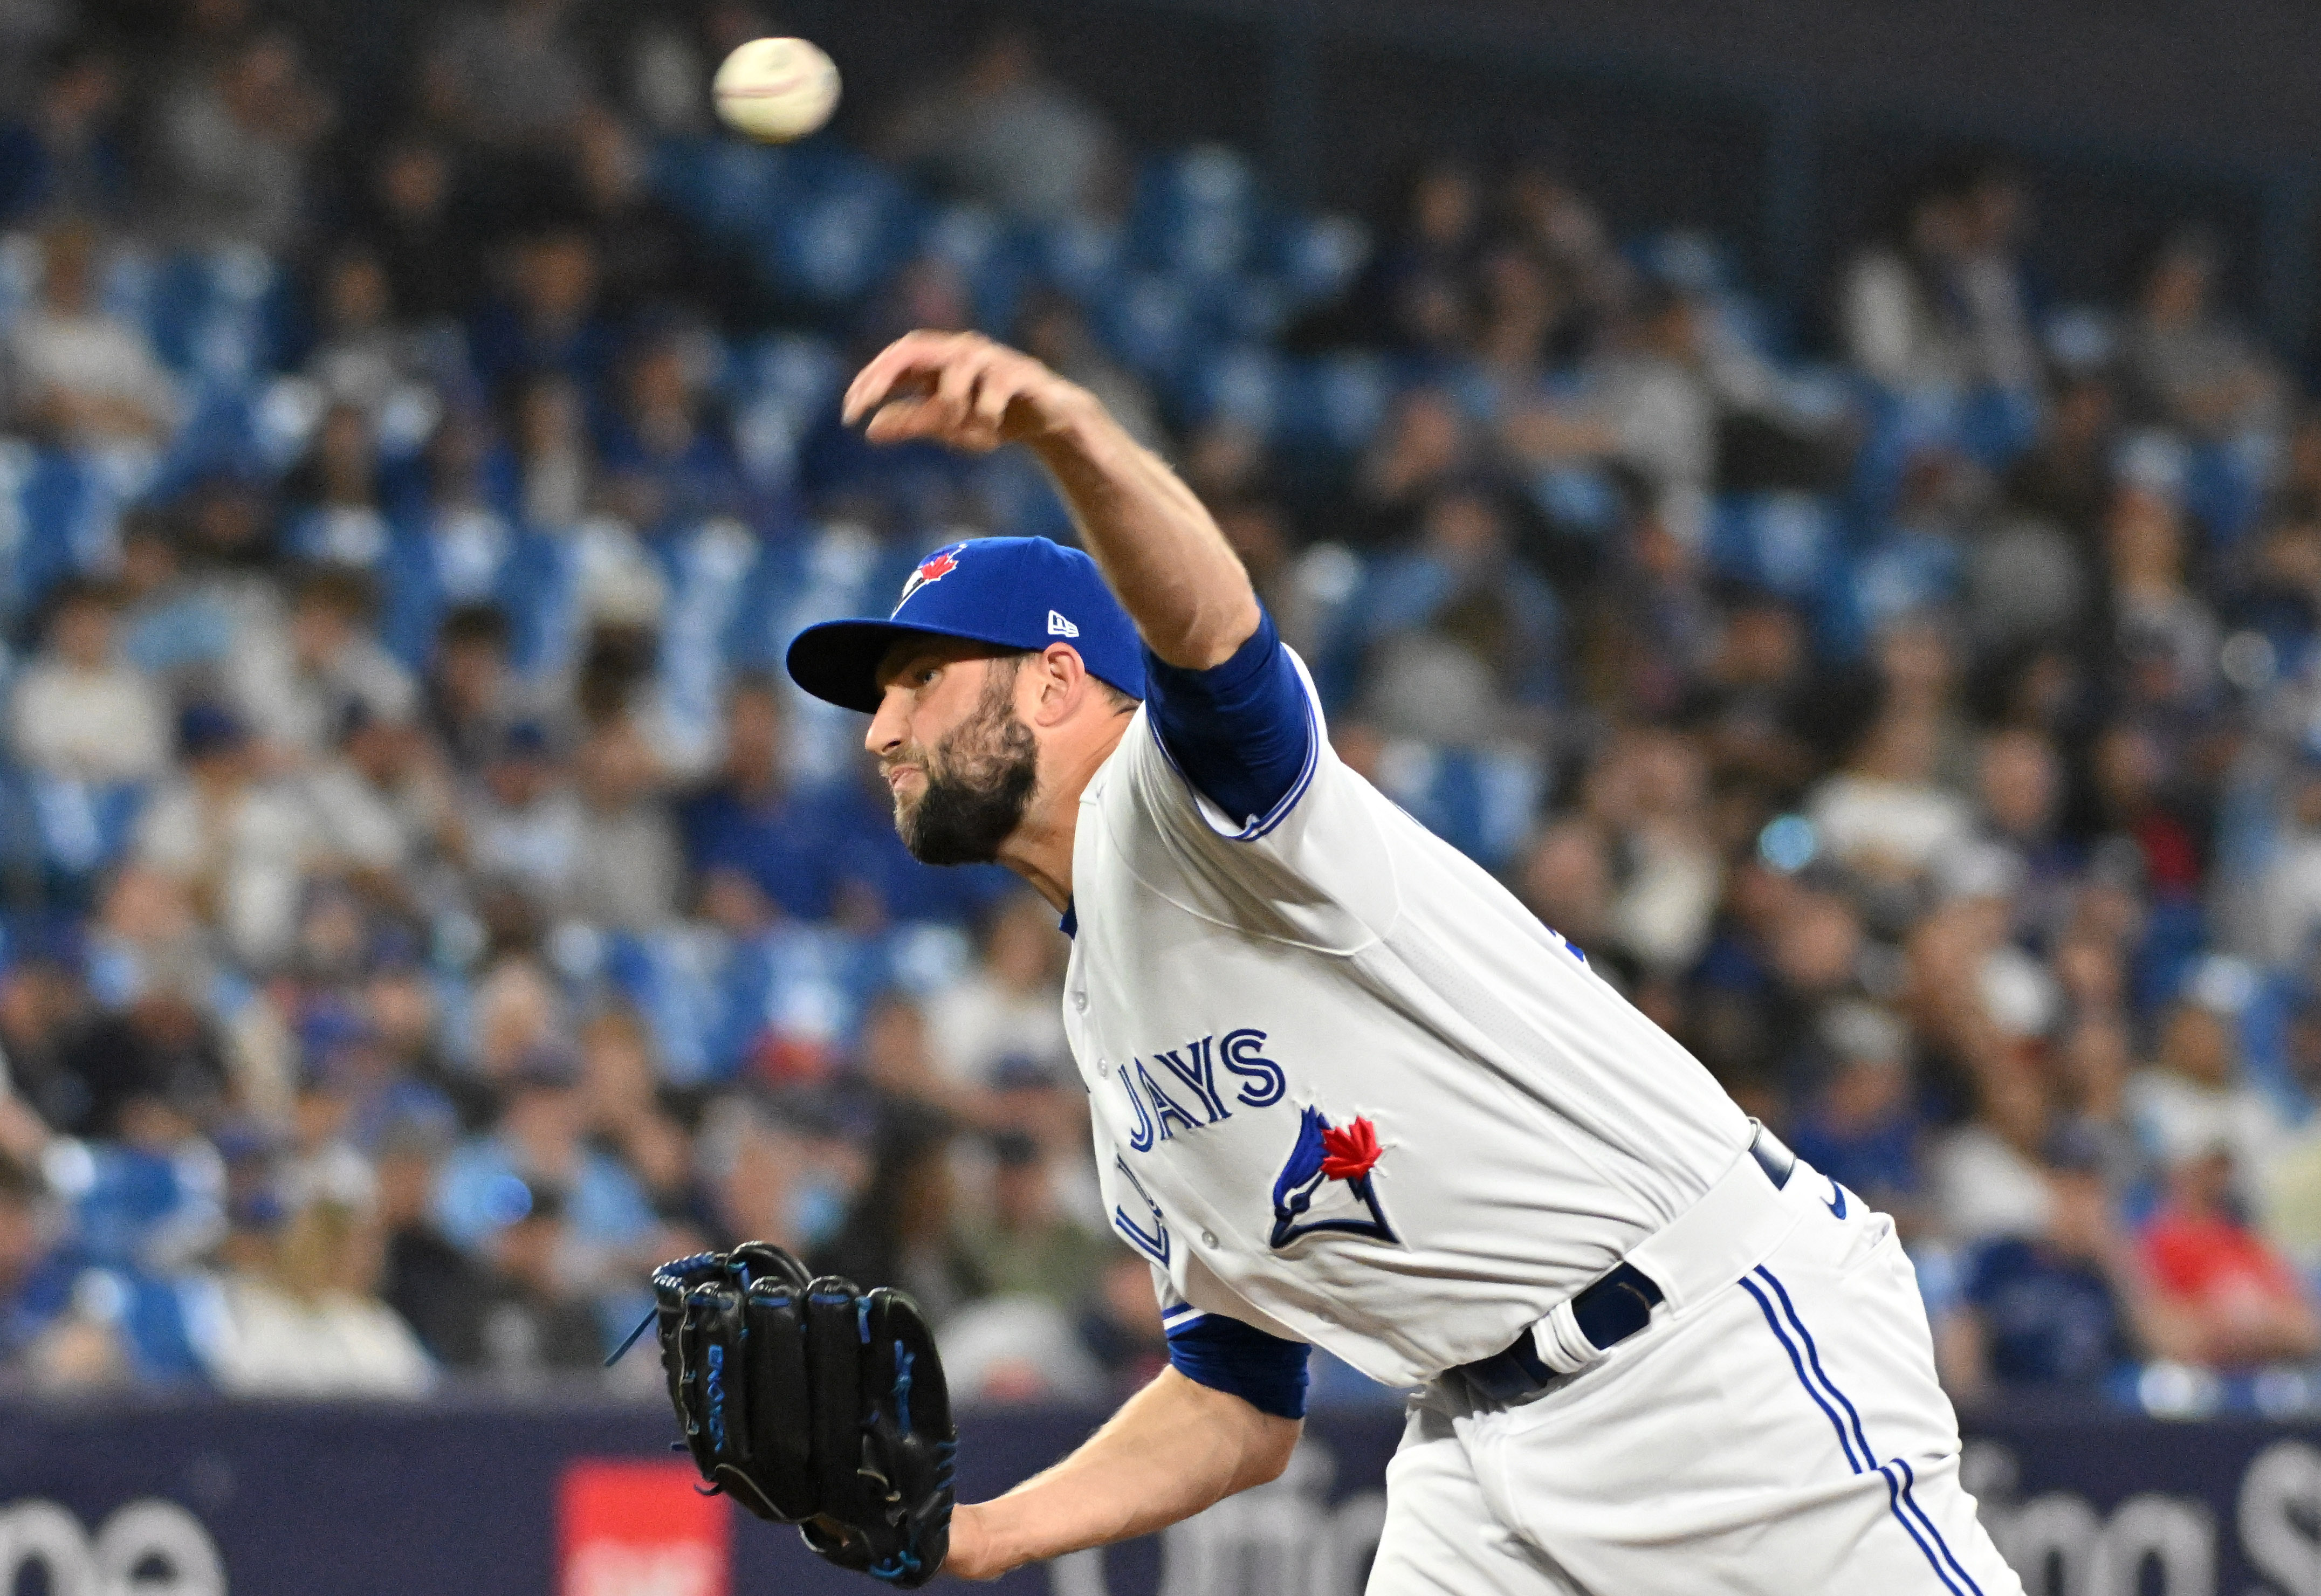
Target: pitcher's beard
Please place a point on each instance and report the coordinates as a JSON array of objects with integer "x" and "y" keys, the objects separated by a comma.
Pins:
[{"x": 978, "y": 784}]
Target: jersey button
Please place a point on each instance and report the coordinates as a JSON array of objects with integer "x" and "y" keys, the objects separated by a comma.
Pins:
[
  {"x": 1209, "y": 1239},
  {"x": 1079, "y": 1000}
]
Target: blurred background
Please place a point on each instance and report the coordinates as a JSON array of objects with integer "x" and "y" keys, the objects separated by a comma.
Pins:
[{"x": 1823, "y": 500}]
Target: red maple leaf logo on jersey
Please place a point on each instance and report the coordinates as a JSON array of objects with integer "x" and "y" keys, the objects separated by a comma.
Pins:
[{"x": 1349, "y": 1152}]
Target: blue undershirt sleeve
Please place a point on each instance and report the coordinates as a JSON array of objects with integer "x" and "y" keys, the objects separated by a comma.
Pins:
[
  {"x": 1242, "y": 733},
  {"x": 1226, "y": 1354}
]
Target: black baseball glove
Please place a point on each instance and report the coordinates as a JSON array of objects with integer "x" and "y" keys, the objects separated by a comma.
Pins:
[{"x": 812, "y": 1403}]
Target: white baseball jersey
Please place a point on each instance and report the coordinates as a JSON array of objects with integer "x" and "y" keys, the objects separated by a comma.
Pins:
[{"x": 1346, "y": 1089}]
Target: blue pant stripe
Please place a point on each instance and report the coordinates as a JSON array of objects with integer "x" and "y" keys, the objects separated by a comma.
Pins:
[
  {"x": 1902, "y": 1504},
  {"x": 1909, "y": 1479},
  {"x": 1813, "y": 1357},
  {"x": 1894, "y": 1506},
  {"x": 1797, "y": 1363}
]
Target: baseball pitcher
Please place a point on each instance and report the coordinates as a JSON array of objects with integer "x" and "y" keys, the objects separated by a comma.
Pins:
[{"x": 1346, "y": 1092}]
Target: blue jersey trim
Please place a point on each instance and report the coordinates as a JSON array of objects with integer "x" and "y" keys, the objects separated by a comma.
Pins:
[
  {"x": 1897, "y": 1473},
  {"x": 1241, "y": 733},
  {"x": 1240, "y": 1360}
]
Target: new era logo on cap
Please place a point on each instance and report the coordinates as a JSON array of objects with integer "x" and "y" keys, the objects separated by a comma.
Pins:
[{"x": 1058, "y": 626}]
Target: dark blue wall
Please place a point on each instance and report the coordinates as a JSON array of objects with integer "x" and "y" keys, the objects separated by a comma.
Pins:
[{"x": 388, "y": 1502}]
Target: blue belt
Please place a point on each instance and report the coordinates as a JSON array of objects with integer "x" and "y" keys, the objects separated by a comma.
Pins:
[{"x": 1609, "y": 1312}]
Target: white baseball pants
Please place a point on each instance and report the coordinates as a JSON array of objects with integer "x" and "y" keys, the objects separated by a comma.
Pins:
[{"x": 1783, "y": 1434}]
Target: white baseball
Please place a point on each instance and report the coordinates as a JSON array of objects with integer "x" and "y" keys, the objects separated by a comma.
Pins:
[{"x": 775, "y": 90}]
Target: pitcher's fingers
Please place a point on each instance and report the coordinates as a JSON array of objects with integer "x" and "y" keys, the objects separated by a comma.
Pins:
[
  {"x": 1000, "y": 384},
  {"x": 919, "y": 352},
  {"x": 899, "y": 420},
  {"x": 954, "y": 393}
]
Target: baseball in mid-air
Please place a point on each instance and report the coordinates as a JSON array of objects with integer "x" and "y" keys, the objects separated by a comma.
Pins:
[{"x": 775, "y": 90}]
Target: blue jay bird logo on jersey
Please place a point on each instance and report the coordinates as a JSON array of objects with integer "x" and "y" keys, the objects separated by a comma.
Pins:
[{"x": 1326, "y": 1184}]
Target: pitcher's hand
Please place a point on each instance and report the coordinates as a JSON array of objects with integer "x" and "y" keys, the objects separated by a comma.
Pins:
[{"x": 961, "y": 390}]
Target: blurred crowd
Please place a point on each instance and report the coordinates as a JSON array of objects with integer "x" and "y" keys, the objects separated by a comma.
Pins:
[{"x": 423, "y": 904}]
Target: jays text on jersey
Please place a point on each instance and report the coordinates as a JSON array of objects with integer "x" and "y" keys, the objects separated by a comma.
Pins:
[{"x": 1346, "y": 1089}]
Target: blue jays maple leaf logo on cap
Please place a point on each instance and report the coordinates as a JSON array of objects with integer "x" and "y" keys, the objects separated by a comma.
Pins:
[
  {"x": 1325, "y": 1153},
  {"x": 942, "y": 562}
]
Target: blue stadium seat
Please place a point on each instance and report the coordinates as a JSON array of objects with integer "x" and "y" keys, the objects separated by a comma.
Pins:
[
  {"x": 1245, "y": 386},
  {"x": 1480, "y": 800},
  {"x": 1082, "y": 256},
  {"x": 833, "y": 245},
  {"x": 1150, "y": 324},
  {"x": 1319, "y": 257},
  {"x": 82, "y": 828},
  {"x": 1786, "y": 543},
  {"x": 1198, "y": 213},
  {"x": 1337, "y": 402},
  {"x": 680, "y": 982}
]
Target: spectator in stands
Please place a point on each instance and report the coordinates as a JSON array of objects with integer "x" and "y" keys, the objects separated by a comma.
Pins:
[
  {"x": 1886, "y": 815},
  {"x": 2065, "y": 1307},
  {"x": 536, "y": 1323},
  {"x": 1655, "y": 395},
  {"x": 366, "y": 357},
  {"x": 470, "y": 696},
  {"x": 508, "y": 77},
  {"x": 1004, "y": 133},
  {"x": 1863, "y": 1126},
  {"x": 2240, "y": 1302},
  {"x": 1986, "y": 1174},
  {"x": 436, "y": 1288},
  {"x": 415, "y": 230},
  {"x": 1457, "y": 632},
  {"x": 542, "y": 1140},
  {"x": 1419, "y": 293},
  {"x": 154, "y": 1071},
  {"x": 550, "y": 460},
  {"x": 1120, "y": 1324},
  {"x": 233, "y": 145},
  {"x": 311, "y": 1323},
  {"x": 628, "y": 870},
  {"x": 64, "y": 157},
  {"x": 2185, "y": 364},
  {"x": 2194, "y": 1096},
  {"x": 81, "y": 711},
  {"x": 546, "y": 319},
  {"x": 758, "y": 848},
  {"x": 234, "y": 840},
  {"x": 1648, "y": 794},
  {"x": 35, "y": 1291},
  {"x": 337, "y": 519},
  {"x": 383, "y": 814},
  {"x": 1011, "y": 1005},
  {"x": 652, "y": 258},
  {"x": 1025, "y": 1244},
  {"x": 1054, "y": 329},
  {"x": 75, "y": 374},
  {"x": 295, "y": 688},
  {"x": 1989, "y": 281},
  {"x": 1897, "y": 306},
  {"x": 1425, "y": 446},
  {"x": 621, "y": 1097},
  {"x": 903, "y": 1228},
  {"x": 521, "y": 821},
  {"x": 670, "y": 458}
]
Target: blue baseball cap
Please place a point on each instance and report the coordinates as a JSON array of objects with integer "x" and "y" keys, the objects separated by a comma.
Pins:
[{"x": 1012, "y": 593}]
